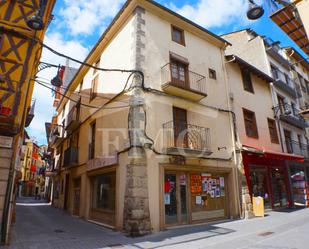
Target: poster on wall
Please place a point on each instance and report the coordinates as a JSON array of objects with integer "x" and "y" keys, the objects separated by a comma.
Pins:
[
  {"x": 222, "y": 193},
  {"x": 221, "y": 179},
  {"x": 196, "y": 184},
  {"x": 198, "y": 200},
  {"x": 167, "y": 198},
  {"x": 218, "y": 194},
  {"x": 205, "y": 180},
  {"x": 212, "y": 193}
]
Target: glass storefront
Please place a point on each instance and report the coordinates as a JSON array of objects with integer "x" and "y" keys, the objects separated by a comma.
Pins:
[
  {"x": 299, "y": 185},
  {"x": 269, "y": 182},
  {"x": 259, "y": 185},
  {"x": 193, "y": 197},
  {"x": 103, "y": 198}
]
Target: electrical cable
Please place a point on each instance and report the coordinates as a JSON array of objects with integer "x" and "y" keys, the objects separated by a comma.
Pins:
[
  {"x": 76, "y": 101},
  {"x": 75, "y": 92}
]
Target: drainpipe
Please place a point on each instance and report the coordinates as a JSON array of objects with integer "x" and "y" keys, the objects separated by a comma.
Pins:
[{"x": 233, "y": 127}]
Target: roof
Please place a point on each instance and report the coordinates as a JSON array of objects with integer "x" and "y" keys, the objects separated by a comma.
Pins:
[
  {"x": 298, "y": 57},
  {"x": 117, "y": 17},
  {"x": 243, "y": 64},
  {"x": 292, "y": 26}
]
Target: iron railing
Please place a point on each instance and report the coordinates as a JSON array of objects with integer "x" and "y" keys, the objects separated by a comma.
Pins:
[
  {"x": 287, "y": 109},
  {"x": 186, "y": 136},
  {"x": 71, "y": 156},
  {"x": 297, "y": 148},
  {"x": 283, "y": 77},
  {"x": 73, "y": 116},
  {"x": 192, "y": 82}
]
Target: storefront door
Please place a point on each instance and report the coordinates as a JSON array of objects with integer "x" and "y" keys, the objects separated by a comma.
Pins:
[
  {"x": 280, "y": 195},
  {"x": 175, "y": 198}
]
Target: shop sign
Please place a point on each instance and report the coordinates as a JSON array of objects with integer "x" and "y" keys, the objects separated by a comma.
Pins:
[
  {"x": 6, "y": 142},
  {"x": 101, "y": 162}
]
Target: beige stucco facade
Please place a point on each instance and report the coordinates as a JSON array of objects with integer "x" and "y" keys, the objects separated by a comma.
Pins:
[{"x": 142, "y": 157}]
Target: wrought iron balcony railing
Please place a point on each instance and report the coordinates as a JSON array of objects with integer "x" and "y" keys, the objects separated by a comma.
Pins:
[
  {"x": 186, "y": 139},
  {"x": 72, "y": 120},
  {"x": 189, "y": 84},
  {"x": 297, "y": 148},
  {"x": 71, "y": 156},
  {"x": 290, "y": 114}
]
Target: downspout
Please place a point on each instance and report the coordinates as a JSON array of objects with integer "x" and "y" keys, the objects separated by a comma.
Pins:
[{"x": 233, "y": 127}]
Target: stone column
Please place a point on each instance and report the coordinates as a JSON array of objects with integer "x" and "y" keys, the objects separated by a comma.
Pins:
[{"x": 136, "y": 203}]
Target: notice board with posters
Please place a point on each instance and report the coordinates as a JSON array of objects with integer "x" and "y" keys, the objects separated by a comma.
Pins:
[{"x": 208, "y": 196}]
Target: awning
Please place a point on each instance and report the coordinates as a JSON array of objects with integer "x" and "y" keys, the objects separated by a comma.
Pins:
[
  {"x": 273, "y": 155},
  {"x": 292, "y": 26}
]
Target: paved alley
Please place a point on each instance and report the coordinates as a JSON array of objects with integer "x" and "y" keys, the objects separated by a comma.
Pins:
[{"x": 41, "y": 226}]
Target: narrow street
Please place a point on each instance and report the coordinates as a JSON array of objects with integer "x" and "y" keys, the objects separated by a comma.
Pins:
[{"x": 41, "y": 226}]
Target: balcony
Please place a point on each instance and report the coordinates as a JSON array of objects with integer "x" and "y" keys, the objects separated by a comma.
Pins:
[
  {"x": 290, "y": 115},
  {"x": 193, "y": 85},
  {"x": 284, "y": 82},
  {"x": 72, "y": 120},
  {"x": 297, "y": 148},
  {"x": 274, "y": 50},
  {"x": 71, "y": 156},
  {"x": 56, "y": 135},
  {"x": 186, "y": 139}
]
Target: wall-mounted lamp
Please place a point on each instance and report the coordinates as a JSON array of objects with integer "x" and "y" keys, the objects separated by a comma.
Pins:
[
  {"x": 36, "y": 22},
  {"x": 254, "y": 11}
]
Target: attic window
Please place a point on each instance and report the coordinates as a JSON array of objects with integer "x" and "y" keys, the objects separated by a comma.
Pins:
[
  {"x": 178, "y": 35},
  {"x": 212, "y": 74}
]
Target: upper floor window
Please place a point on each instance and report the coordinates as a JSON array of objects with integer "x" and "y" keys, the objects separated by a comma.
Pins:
[
  {"x": 97, "y": 64},
  {"x": 92, "y": 140},
  {"x": 212, "y": 74},
  {"x": 273, "y": 131},
  {"x": 94, "y": 87},
  {"x": 250, "y": 123},
  {"x": 179, "y": 73},
  {"x": 178, "y": 35},
  {"x": 247, "y": 82}
]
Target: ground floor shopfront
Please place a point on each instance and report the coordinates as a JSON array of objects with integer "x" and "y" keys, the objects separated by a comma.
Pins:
[
  {"x": 177, "y": 194},
  {"x": 279, "y": 178},
  {"x": 194, "y": 195}
]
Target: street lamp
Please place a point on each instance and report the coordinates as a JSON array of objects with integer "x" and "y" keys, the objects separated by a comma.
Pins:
[
  {"x": 254, "y": 11},
  {"x": 36, "y": 22},
  {"x": 56, "y": 81}
]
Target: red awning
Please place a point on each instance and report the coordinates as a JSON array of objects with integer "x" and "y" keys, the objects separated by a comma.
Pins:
[{"x": 273, "y": 154}]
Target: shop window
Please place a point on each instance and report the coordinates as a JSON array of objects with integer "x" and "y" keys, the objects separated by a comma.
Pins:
[
  {"x": 250, "y": 123},
  {"x": 247, "y": 82},
  {"x": 104, "y": 192},
  {"x": 212, "y": 74},
  {"x": 273, "y": 131},
  {"x": 178, "y": 35}
]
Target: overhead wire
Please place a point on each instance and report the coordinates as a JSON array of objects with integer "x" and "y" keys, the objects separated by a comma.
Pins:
[{"x": 76, "y": 101}]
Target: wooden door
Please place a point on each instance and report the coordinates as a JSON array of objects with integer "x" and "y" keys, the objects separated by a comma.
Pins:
[
  {"x": 76, "y": 204},
  {"x": 180, "y": 128},
  {"x": 66, "y": 191}
]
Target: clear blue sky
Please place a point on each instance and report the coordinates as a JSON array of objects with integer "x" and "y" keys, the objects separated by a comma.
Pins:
[{"x": 78, "y": 25}]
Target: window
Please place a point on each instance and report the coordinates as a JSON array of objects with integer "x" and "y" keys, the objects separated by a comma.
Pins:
[
  {"x": 94, "y": 87},
  {"x": 178, "y": 35},
  {"x": 250, "y": 123},
  {"x": 97, "y": 64},
  {"x": 288, "y": 141},
  {"x": 179, "y": 73},
  {"x": 300, "y": 142},
  {"x": 92, "y": 142},
  {"x": 273, "y": 131},
  {"x": 212, "y": 74},
  {"x": 104, "y": 191},
  {"x": 246, "y": 79}
]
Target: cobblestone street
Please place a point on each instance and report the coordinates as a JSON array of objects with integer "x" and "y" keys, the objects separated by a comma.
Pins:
[{"x": 41, "y": 226}]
